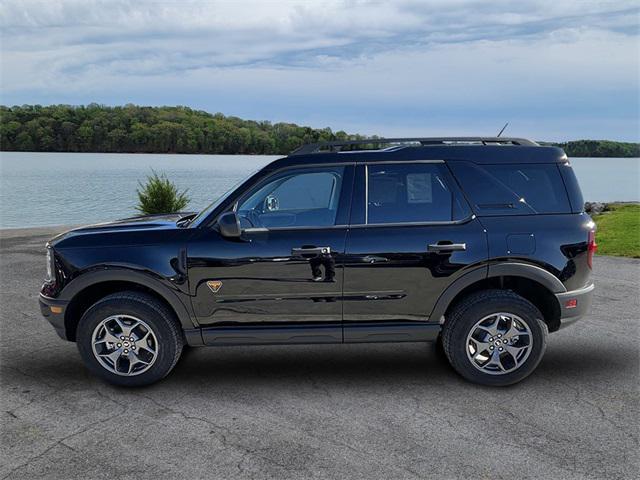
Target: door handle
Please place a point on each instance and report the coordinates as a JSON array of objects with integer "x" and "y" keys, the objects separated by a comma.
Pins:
[
  {"x": 441, "y": 247},
  {"x": 311, "y": 251}
]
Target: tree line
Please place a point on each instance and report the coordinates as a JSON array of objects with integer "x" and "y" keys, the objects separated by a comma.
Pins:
[
  {"x": 600, "y": 148},
  {"x": 136, "y": 129}
]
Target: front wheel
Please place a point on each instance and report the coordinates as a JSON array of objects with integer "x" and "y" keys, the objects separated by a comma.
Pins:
[
  {"x": 494, "y": 337},
  {"x": 129, "y": 339}
]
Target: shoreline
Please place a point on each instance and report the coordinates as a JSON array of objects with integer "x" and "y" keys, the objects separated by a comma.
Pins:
[{"x": 11, "y": 232}]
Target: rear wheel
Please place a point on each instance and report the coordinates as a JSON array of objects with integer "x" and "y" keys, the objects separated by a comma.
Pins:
[
  {"x": 494, "y": 337},
  {"x": 130, "y": 339}
]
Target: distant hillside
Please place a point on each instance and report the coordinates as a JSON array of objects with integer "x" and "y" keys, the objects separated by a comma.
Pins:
[
  {"x": 600, "y": 148},
  {"x": 97, "y": 128},
  {"x": 135, "y": 129}
]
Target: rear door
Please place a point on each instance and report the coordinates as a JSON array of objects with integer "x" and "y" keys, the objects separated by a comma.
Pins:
[{"x": 411, "y": 234}]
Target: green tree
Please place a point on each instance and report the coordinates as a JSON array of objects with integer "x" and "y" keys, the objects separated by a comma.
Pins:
[
  {"x": 132, "y": 128},
  {"x": 160, "y": 195}
]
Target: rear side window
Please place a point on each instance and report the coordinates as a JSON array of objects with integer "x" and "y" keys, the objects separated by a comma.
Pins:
[
  {"x": 514, "y": 189},
  {"x": 406, "y": 193}
]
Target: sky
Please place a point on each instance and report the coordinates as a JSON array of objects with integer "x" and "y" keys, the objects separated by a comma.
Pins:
[{"x": 555, "y": 70}]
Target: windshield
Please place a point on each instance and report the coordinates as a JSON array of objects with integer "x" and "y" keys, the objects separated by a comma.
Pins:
[{"x": 203, "y": 214}]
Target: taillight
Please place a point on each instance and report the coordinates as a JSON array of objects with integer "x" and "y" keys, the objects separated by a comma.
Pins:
[{"x": 591, "y": 247}]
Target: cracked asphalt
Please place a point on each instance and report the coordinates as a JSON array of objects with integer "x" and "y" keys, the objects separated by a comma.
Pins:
[{"x": 344, "y": 411}]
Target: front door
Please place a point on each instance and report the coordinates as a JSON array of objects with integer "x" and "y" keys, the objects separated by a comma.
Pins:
[
  {"x": 282, "y": 281},
  {"x": 412, "y": 235}
]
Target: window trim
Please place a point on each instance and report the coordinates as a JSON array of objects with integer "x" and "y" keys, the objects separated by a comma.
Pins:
[
  {"x": 399, "y": 162},
  {"x": 461, "y": 221},
  {"x": 275, "y": 229}
]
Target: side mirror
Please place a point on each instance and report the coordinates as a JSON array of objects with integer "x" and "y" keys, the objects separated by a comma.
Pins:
[
  {"x": 271, "y": 203},
  {"x": 229, "y": 224}
]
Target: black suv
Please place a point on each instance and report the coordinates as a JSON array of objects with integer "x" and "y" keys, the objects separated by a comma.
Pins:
[{"x": 479, "y": 242}]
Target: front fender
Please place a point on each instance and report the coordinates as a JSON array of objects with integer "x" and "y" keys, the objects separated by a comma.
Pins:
[{"x": 121, "y": 274}]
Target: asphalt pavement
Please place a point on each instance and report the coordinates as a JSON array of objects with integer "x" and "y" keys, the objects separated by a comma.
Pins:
[{"x": 384, "y": 411}]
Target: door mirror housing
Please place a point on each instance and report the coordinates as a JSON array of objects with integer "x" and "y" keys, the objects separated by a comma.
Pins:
[{"x": 229, "y": 225}]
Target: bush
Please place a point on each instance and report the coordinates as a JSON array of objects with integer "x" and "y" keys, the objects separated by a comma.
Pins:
[{"x": 159, "y": 195}]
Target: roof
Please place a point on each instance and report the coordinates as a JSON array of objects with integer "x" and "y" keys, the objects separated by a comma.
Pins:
[
  {"x": 480, "y": 150},
  {"x": 349, "y": 145}
]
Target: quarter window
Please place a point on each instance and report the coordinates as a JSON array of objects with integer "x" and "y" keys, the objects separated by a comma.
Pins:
[
  {"x": 406, "y": 193},
  {"x": 513, "y": 189},
  {"x": 540, "y": 186}
]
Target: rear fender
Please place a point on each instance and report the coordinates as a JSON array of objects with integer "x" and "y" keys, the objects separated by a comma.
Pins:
[{"x": 510, "y": 269}]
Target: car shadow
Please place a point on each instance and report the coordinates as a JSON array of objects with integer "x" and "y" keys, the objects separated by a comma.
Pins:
[
  {"x": 357, "y": 364},
  {"x": 388, "y": 363},
  {"x": 330, "y": 363}
]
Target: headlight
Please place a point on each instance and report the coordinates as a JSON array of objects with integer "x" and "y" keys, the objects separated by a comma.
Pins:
[{"x": 50, "y": 266}]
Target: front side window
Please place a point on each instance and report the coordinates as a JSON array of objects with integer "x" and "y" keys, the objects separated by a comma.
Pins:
[
  {"x": 298, "y": 198},
  {"x": 408, "y": 193}
]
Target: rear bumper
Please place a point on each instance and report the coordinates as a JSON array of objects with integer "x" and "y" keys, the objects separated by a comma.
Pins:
[
  {"x": 53, "y": 310},
  {"x": 574, "y": 304}
]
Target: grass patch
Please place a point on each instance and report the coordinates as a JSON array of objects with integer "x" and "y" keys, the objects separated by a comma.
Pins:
[{"x": 619, "y": 230}]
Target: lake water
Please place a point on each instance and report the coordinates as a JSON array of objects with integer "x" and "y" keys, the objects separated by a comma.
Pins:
[{"x": 41, "y": 189}]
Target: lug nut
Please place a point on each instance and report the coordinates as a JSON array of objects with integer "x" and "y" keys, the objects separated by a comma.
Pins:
[
  {"x": 498, "y": 349},
  {"x": 119, "y": 345},
  {"x": 499, "y": 335},
  {"x": 133, "y": 348},
  {"x": 491, "y": 347},
  {"x": 126, "y": 351}
]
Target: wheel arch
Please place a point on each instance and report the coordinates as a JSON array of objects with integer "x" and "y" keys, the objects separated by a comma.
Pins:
[
  {"x": 529, "y": 281},
  {"x": 90, "y": 287}
]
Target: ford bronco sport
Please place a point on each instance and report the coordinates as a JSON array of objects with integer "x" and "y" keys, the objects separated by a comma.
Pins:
[{"x": 481, "y": 243}]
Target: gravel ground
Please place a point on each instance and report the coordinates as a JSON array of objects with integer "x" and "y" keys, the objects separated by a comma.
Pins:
[{"x": 344, "y": 411}]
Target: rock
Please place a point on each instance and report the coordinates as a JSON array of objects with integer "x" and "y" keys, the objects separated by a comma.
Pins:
[{"x": 594, "y": 208}]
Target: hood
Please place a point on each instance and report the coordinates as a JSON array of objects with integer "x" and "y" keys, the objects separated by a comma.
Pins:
[{"x": 142, "y": 223}]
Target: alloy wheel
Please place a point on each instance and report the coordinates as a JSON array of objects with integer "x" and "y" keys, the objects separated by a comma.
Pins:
[
  {"x": 499, "y": 343},
  {"x": 124, "y": 345}
]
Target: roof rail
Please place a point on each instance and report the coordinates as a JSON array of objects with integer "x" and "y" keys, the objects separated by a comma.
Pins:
[{"x": 423, "y": 141}]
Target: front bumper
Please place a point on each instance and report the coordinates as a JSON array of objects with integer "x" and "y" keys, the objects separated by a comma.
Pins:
[
  {"x": 53, "y": 310},
  {"x": 574, "y": 304}
]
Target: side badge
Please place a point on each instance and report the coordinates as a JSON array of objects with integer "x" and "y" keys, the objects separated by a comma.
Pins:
[{"x": 214, "y": 285}]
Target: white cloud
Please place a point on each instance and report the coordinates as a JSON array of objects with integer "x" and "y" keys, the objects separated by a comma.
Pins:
[{"x": 327, "y": 61}]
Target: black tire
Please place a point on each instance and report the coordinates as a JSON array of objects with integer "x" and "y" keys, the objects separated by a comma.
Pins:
[
  {"x": 466, "y": 313},
  {"x": 154, "y": 313}
]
